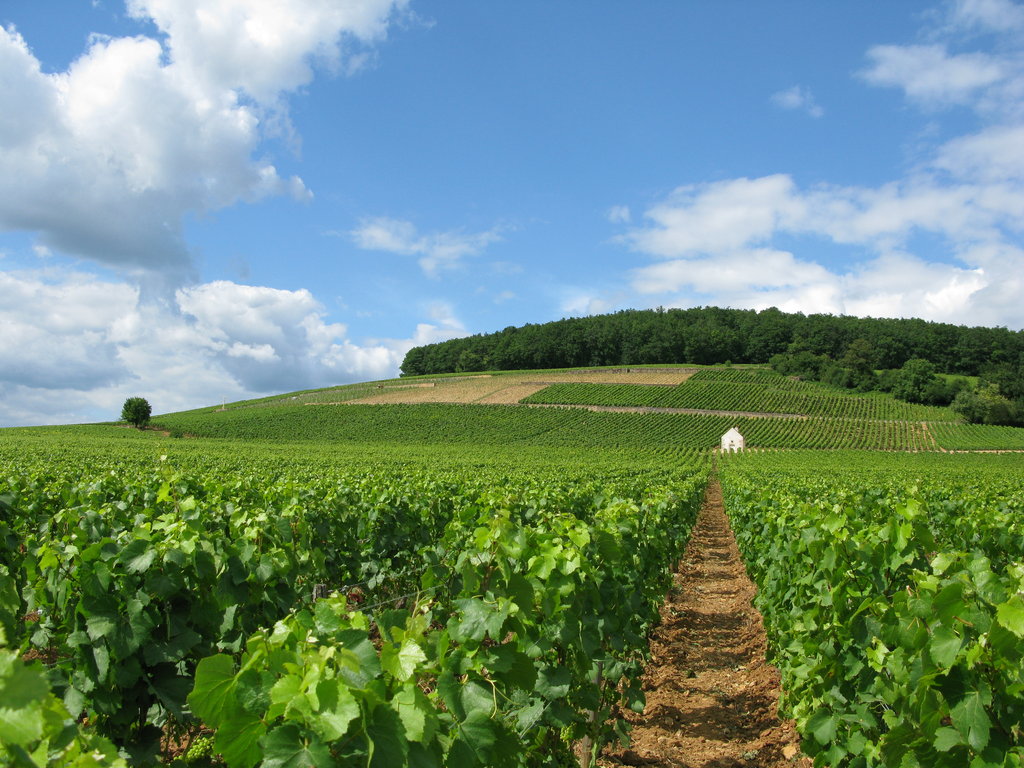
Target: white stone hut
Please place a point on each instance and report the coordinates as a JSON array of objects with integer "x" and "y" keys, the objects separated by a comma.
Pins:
[{"x": 733, "y": 441}]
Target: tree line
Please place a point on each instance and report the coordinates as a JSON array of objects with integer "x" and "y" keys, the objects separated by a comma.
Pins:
[{"x": 843, "y": 347}]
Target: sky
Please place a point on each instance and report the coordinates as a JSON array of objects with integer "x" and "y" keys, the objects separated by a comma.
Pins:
[{"x": 207, "y": 200}]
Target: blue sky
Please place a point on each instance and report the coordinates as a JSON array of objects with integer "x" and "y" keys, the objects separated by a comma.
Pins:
[{"x": 212, "y": 199}]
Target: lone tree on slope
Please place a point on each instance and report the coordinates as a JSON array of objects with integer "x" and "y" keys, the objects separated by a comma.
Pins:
[{"x": 136, "y": 411}]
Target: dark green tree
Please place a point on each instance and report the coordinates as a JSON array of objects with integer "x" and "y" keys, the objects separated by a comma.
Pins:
[
  {"x": 136, "y": 411},
  {"x": 914, "y": 380},
  {"x": 859, "y": 361},
  {"x": 469, "y": 361},
  {"x": 985, "y": 405}
]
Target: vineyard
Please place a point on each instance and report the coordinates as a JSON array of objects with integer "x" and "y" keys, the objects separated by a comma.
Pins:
[
  {"x": 571, "y": 428},
  {"x": 365, "y": 613},
  {"x": 893, "y": 599},
  {"x": 288, "y": 582},
  {"x": 745, "y": 390}
]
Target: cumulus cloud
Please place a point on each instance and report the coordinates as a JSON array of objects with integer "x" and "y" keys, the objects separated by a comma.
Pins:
[
  {"x": 444, "y": 325},
  {"x": 719, "y": 242},
  {"x": 894, "y": 285},
  {"x": 104, "y": 160},
  {"x": 437, "y": 250},
  {"x": 715, "y": 217},
  {"x": 264, "y": 47},
  {"x": 716, "y": 243},
  {"x": 799, "y": 98},
  {"x": 75, "y": 346},
  {"x": 54, "y": 332}
]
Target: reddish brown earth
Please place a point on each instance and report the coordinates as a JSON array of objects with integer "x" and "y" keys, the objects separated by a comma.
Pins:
[{"x": 711, "y": 696}]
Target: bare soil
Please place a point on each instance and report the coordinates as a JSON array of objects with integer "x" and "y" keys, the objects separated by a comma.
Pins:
[
  {"x": 927, "y": 439},
  {"x": 711, "y": 696},
  {"x": 511, "y": 395},
  {"x": 510, "y": 388}
]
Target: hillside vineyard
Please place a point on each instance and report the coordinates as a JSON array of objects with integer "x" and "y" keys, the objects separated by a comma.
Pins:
[{"x": 339, "y": 577}]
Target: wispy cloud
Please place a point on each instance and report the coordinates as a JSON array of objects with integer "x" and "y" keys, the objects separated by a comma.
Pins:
[
  {"x": 798, "y": 97},
  {"x": 437, "y": 250},
  {"x": 619, "y": 214}
]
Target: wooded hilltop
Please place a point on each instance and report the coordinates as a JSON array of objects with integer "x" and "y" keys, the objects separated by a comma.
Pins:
[{"x": 840, "y": 350}]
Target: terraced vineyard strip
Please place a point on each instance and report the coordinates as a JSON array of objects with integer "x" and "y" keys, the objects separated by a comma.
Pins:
[
  {"x": 761, "y": 396},
  {"x": 490, "y": 425},
  {"x": 977, "y": 437}
]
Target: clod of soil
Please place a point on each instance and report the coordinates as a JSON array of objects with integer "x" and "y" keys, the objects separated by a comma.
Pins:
[{"x": 711, "y": 696}]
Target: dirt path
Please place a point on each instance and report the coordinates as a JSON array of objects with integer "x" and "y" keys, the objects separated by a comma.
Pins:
[{"x": 711, "y": 697}]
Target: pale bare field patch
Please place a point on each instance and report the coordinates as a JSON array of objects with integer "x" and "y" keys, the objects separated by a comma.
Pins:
[
  {"x": 456, "y": 390},
  {"x": 512, "y": 394},
  {"x": 508, "y": 389}
]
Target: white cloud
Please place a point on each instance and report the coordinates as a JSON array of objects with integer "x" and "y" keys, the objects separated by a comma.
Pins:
[
  {"x": 884, "y": 217},
  {"x": 799, "y": 98},
  {"x": 75, "y": 346},
  {"x": 719, "y": 237},
  {"x": 960, "y": 206},
  {"x": 758, "y": 268},
  {"x": 263, "y": 47},
  {"x": 53, "y": 332},
  {"x": 445, "y": 326},
  {"x": 619, "y": 214},
  {"x": 992, "y": 155},
  {"x": 272, "y": 340},
  {"x": 724, "y": 215},
  {"x": 896, "y": 285},
  {"x": 930, "y": 75},
  {"x": 391, "y": 235},
  {"x": 965, "y": 199},
  {"x": 437, "y": 250},
  {"x": 105, "y": 159},
  {"x": 580, "y": 303},
  {"x": 987, "y": 15}
]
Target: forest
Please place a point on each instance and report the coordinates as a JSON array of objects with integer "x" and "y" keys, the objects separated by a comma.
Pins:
[{"x": 711, "y": 335}]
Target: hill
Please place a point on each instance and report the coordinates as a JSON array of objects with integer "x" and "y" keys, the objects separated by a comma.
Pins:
[
  {"x": 647, "y": 410},
  {"x": 666, "y": 408}
]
